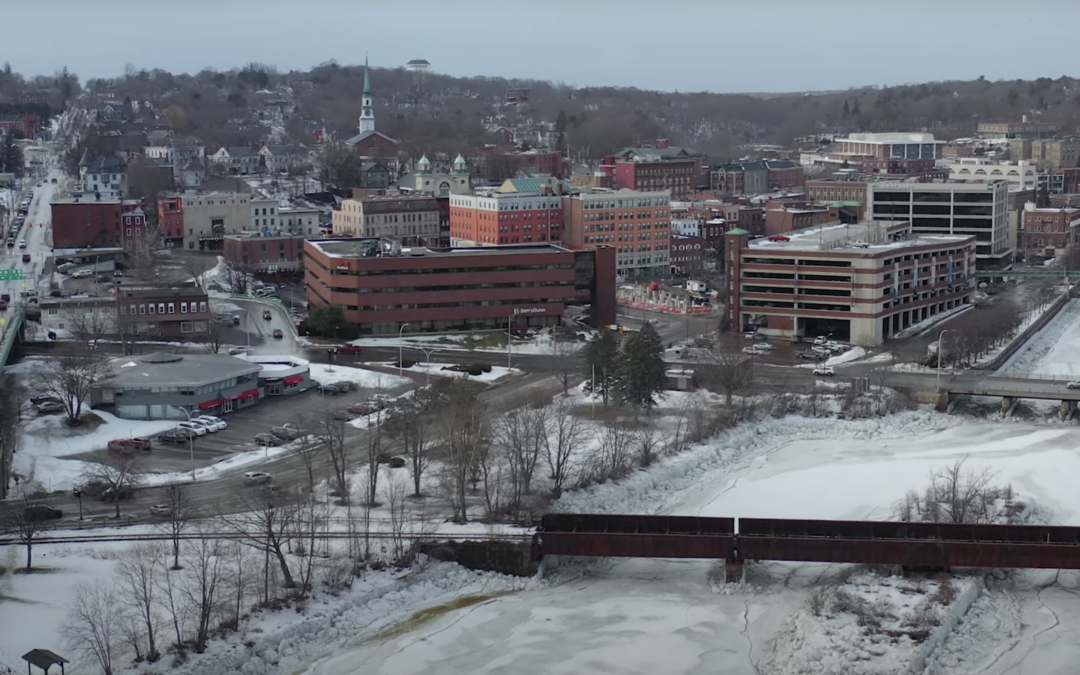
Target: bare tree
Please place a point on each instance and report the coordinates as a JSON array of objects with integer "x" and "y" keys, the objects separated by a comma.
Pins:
[
  {"x": 172, "y": 600},
  {"x": 93, "y": 326},
  {"x": 566, "y": 363},
  {"x": 138, "y": 574},
  {"x": 92, "y": 626},
  {"x": 649, "y": 444},
  {"x": 119, "y": 472},
  {"x": 519, "y": 437},
  {"x": 69, "y": 374},
  {"x": 241, "y": 578},
  {"x": 213, "y": 337},
  {"x": 397, "y": 504},
  {"x": 24, "y": 522},
  {"x": 239, "y": 277},
  {"x": 330, "y": 434},
  {"x": 464, "y": 431},
  {"x": 612, "y": 457},
  {"x": 411, "y": 423},
  {"x": 196, "y": 267},
  {"x": 309, "y": 449},
  {"x": 267, "y": 523},
  {"x": 562, "y": 439},
  {"x": 11, "y": 399},
  {"x": 181, "y": 513},
  {"x": 730, "y": 373},
  {"x": 202, "y": 583},
  {"x": 955, "y": 495}
]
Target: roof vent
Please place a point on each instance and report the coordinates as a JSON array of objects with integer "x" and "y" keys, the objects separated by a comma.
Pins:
[{"x": 161, "y": 357}]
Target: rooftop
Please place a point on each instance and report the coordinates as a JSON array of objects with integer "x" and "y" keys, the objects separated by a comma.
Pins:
[
  {"x": 891, "y": 138},
  {"x": 158, "y": 292},
  {"x": 372, "y": 248},
  {"x": 161, "y": 369},
  {"x": 91, "y": 199},
  {"x": 873, "y": 237}
]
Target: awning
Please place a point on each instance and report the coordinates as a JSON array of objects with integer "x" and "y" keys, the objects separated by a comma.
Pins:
[
  {"x": 250, "y": 393},
  {"x": 293, "y": 379},
  {"x": 206, "y": 405}
]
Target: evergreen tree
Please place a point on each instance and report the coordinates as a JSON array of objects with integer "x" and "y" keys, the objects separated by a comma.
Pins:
[
  {"x": 855, "y": 110},
  {"x": 847, "y": 109},
  {"x": 600, "y": 361},
  {"x": 641, "y": 373},
  {"x": 11, "y": 156}
]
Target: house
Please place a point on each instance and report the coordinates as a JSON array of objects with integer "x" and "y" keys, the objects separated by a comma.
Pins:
[
  {"x": 374, "y": 176},
  {"x": 105, "y": 176},
  {"x": 237, "y": 160},
  {"x": 279, "y": 158}
]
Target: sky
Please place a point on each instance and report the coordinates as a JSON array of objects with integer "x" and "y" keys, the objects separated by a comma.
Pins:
[{"x": 679, "y": 45}]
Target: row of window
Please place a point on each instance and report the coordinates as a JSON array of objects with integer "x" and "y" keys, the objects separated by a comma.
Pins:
[{"x": 143, "y": 308}]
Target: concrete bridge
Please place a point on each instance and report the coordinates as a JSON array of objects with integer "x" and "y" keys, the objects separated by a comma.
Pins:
[
  {"x": 942, "y": 390},
  {"x": 11, "y": 333}
]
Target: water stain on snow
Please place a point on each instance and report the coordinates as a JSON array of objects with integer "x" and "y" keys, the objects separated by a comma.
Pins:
[{"x": 429, "y": 614}]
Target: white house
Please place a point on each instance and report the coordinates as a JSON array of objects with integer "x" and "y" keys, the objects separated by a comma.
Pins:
[
  {"x": 238, "y": 160},
  {"x": 280, "y": 158},
  {"x": 105, "y": 175}
]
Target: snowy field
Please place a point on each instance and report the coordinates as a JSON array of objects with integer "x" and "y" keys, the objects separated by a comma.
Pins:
[
  {"x": 497, "y": 372},
  {"x": 365, "y": 379},
  {"x": 539, "y": 346}
]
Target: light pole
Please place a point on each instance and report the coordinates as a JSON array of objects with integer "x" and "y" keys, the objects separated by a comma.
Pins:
[
  {"x": 191, "y": 443},
  {"x": 941, "y": 354},
  {"x": 399, "y": 347},
  {"x": 427, "y": 361},
  {"x": 509, "y": 339}
]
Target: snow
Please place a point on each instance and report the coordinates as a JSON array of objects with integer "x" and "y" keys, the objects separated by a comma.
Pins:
[
  {"x": 537, "y": 346},
  {"x": 365, "y": 379},
  {"x": 46, "y": 441},
  {"x": 854, "y": 354},
  {"x": 496, "y": 374},
  {"x": 926, "y": 324},
  {"x": 1055, "y": 350}
]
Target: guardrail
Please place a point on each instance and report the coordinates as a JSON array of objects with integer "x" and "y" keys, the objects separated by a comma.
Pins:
[{"x": 187, "y": 536}]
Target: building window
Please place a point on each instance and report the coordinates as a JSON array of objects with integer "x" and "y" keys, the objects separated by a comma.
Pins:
[
  {"x": 151, "y": 308},
  {"x": 172, "y": 308},
  {"x": 202, "y": 306},
  {"x": 161, "y": 308},
  {"x": 185, "y": 327},
  {"x": 183, "y": 308}
]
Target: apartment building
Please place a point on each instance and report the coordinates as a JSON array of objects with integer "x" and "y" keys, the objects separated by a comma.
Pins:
[
  {"x": 90, "y": 222},
  {"x": 1020, "y": 175},
  {"x": 501, "y": 218},
  {"x": 637, "y": 224},
  {"x": 1047, "y": 154},
  {"x": 974, "y": 209},
  {"x": 1047, "y": 232},
  {"x": 655, "y": 166},
  {"x": 412, "y": 220},
  {"x": 163, "y": 312},
  {"x": 200, "y": 220},
  {"x": 860, "y": 283}
]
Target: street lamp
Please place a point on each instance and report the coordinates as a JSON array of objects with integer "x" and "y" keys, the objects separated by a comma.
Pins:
[
  {"x": 191, "y": 443},
  {"x": 399, "y": 349},
  {"x": 427, "y": 360},
  {"x": 509, "y": 339},
  {"x": 941, "y": 354}
]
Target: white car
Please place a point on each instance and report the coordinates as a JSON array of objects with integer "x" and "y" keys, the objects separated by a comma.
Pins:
[
  {"x": 824, "y": 371},
  {"x": 192, "y": 425},
  {"x": 1075, "y": 384},
  {"x": 237, "y": 350},
  {"x": 820, "y": 340},
  {"x": 257, "y": 477},
  {"x": 212, "y": 423},
  {"x": 81, "y": 274},
  {"x": 161, "y": 510}
]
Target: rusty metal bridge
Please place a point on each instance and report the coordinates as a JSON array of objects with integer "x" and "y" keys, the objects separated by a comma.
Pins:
[{"x": 913, "y": 545}]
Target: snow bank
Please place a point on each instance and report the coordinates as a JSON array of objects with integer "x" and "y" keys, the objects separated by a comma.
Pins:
[
  {"x": 497, "y": 372},
  {"x": 374, "y": 604},
  {"x": 367, "y": 379},
  {"x": 707, "y": 464},
  {"x": 870, "y": 625},
  {"x": 1055, "y": 350}
]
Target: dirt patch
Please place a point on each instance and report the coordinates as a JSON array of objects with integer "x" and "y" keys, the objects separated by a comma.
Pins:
[{"x": 429, "y": 614}]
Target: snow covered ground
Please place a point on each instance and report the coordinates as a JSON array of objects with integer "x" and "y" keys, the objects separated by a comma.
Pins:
[
  {"x": 540, "y": 345},
  {"x": 1056, "y": 349},
  {"x": 365, "y": 379},
  {"x": 497, "y": 372}
]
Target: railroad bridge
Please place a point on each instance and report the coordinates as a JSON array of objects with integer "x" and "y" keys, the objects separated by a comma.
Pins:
[{"x": 909, "y": 545}]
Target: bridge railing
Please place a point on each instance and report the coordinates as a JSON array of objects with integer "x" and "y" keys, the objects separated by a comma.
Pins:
[{"x": 1034, "y": 376}]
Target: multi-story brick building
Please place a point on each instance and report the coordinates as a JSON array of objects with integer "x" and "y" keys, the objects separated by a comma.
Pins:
[
  {"x": 499, "y": 218},
  {"x": 29, "y": 125},
  {"x": 1065, "y": 180},
  {"x": 1023, "y": 129},
  {"x": 269, "y": 255},
  {"x": 660, "y": 166},
  {"x": 171, "y": 220},
  {"x": 1047, "y": 154},
  {"x": 432, "y": 290},
  {"x": 412, "y": 220},
  {"x": 87, "y": 222},
  {"x": 980, "y": 210},
  {"x": 829, "y": 191},
  {"x": 783, "y": 219},
  {"x": 163, "y": 312},
  {"x": 861, "y": 283},
  {"x": 1048, "y": 232},
  {"x": 688, "y": 256},
  {"x": 637, "y": 224}
]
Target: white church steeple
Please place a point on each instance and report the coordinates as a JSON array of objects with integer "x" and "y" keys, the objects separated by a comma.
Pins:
[{"x": 367, "y": 110}]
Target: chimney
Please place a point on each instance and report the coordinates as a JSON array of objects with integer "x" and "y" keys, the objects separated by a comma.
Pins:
[
  {"x": 637, "y": 144},
  {"x": 559, "y": 189},
  {"x": 663, "y": 143}
]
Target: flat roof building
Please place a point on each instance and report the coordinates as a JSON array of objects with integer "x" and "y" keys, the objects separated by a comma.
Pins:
[
  {"x": 861, "y": 283},
  {"x": 382, "y": 286}
]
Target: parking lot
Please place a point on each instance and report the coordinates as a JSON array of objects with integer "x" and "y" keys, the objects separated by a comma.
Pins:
[{"x": 243, "y": 426}]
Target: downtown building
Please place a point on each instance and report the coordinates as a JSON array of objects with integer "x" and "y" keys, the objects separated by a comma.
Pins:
[{"x": 636, "y": 224}]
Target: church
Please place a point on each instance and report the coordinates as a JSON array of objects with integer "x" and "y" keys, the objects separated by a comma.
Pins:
[
  {"x": 370, "y": 143},
  {"x": 437, "y": 183}
]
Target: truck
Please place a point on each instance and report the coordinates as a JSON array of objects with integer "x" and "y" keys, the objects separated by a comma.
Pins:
[{"x": 697, "y": 286}]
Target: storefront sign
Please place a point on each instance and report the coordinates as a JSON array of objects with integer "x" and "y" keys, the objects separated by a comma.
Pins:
[{"x": 530, "y": 310}]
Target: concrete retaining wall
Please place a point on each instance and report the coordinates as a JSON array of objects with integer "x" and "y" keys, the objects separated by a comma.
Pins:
[
  {"x": 1031, "y": 331},
  {"x": 955, "y": 614},
  {"x": 504, "y": 557}
]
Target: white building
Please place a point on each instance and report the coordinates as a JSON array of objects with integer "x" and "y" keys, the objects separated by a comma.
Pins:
[
  {"x": 239, "y": 160},
  {"x": 418, "y": 66},
  {"x": 209, "y": 216},
  {"x": 301, "y": 220},
  {"x": 1020, "y": 175},
  {"x": 106, "y": 176},
  {"x": 980, "y": 210},
  {"x": 280, "y": 158},
  {"x": 84, "y": 318},
  {"x": 891, "y": 146}
]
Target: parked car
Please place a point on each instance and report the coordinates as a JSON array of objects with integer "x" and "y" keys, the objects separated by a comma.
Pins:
[
  {"x": 212, "y": 423},
  {"x": 821, "y": 339},
  {"x": 267, "y": 315},
  {"x": 114, "y": 494},
  {"x": 117, "y": 273},
  {"x": 92, "y": 488},
  {"x": 176, "y": 436},
  {"x": 38, "y": 399},
  {"x": 361, "y": 409},
  {"x": 333, "y": 388},
  {"x": 824, "y": 371},
  {"x": 236, "y": 351},
  {"x": 278, "y": 334},
  {"x": 269, "y": 440},
  {"x": 81, "y": 274},
  {"x": 50, "y": 407},
  {"x": 808, "y": 354},
  {"x": 199, "y": 428},
  {"x": 287, "y": 432},
  {"x": 127, "y": 446},
  {"x": 779, "y": 237},
  {"x": 392, "y": 461},
  {"x": 342, "y": 415},
  {"x": 161, "y": 510},
  {"x": 41, "y": 512},
  {"x": 257, "y": 477},
  {"x": 26, "y": 257}
]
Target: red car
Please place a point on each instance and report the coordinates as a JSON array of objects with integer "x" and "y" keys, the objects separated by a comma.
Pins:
[
  {"x": 3, "y": 305},
  {"x": 779, "y": 237},
  {"x": 26, "y": 257},
  {"x": 361, "y": 409},
  {"x": 278, "y": 334},
  {"x": 349, "y": 349},
  {"x": 126, "y": 446}
]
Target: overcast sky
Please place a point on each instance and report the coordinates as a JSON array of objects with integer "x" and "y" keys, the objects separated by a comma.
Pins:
[{"x": 683, "y": 45}]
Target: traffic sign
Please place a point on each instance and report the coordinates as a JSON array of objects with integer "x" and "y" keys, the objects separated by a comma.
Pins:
[{"x": 11, "y": 275}]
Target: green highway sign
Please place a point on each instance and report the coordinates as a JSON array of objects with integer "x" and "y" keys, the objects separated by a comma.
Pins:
[{"x": 11, "y": 275}]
